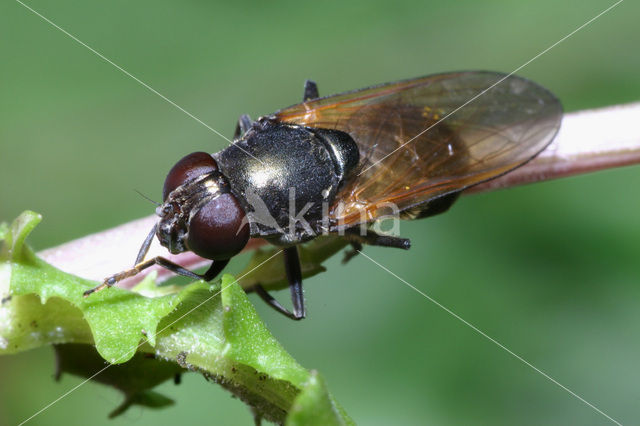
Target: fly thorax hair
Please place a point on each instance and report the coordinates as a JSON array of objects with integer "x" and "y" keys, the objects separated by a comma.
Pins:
[{"x": 182, "y": 204}]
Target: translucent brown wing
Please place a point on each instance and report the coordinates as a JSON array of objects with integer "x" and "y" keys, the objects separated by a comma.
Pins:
[{"x": 491, "y": 124}]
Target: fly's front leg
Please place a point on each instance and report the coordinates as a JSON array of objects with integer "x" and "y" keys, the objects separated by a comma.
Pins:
[
  {"x": 244, "y": 124},
  {"x": 211, "y": 273},
  {"x": 165, "y": 263},
  {"x": 310, "y": 91},
  {"x": 294, "y": 276},
  {"x": 144, "y": 248}
]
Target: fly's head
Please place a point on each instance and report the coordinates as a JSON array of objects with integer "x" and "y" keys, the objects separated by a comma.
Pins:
[{"x": 199, "y": 213}]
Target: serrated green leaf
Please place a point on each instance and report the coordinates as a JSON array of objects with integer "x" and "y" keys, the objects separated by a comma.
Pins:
[
  {"x": 114, "y": 315},
  {"x": 211, "y": 329},
  {"x": 20, "y": 229},
  {"x": 241, "y": 327},
  {"x": 314, "y": 406},
  {"x": 84, "y": 361}
]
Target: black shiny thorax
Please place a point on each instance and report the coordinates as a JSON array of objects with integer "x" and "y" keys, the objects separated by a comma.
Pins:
[{"x": 287, "y": 176}]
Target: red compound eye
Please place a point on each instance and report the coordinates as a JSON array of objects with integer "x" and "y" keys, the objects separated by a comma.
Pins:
[
  {"x": 218, "y": 230},
  {"x": 188, "y": 168}
]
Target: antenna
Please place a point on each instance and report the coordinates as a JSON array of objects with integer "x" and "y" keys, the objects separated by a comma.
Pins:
[{"x": 147, "y": 198}]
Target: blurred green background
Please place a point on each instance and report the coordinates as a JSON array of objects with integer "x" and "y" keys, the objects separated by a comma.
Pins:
[{"x": 550, "y": 270}]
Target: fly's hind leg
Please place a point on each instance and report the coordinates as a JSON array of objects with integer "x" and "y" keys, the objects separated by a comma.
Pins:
[
  {"x": 373, "y": 239},
  {"x": 310, "y": 91},
  {"x": 244, "y": 124},
  {"x": 357, "y": 240},
  {"x": 294, "y": 276},
  {"x": 432, "y": 208},
  {"x": 356, "y": 247}
]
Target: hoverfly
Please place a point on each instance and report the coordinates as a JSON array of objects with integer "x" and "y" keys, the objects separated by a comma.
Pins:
[{"x": 415, "y": 144}]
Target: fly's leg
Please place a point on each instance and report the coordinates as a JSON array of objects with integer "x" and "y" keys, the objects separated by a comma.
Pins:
[
  {"x": 356, "y": 240},
  {"x": 294, "y": 276},
  {"x": 216, "y": 267},
  {"x": 165, "y": 263},
  {"x": 140, "y": 265},
  {"x": 310, "y": 91},
  {"x": 244, "y": 124},
  {"x": 144, "y": 248},
  {"x": 356, "y": 247},
  {"x": 373, "y": 239},
  {"x": 211, "y": 273}
]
